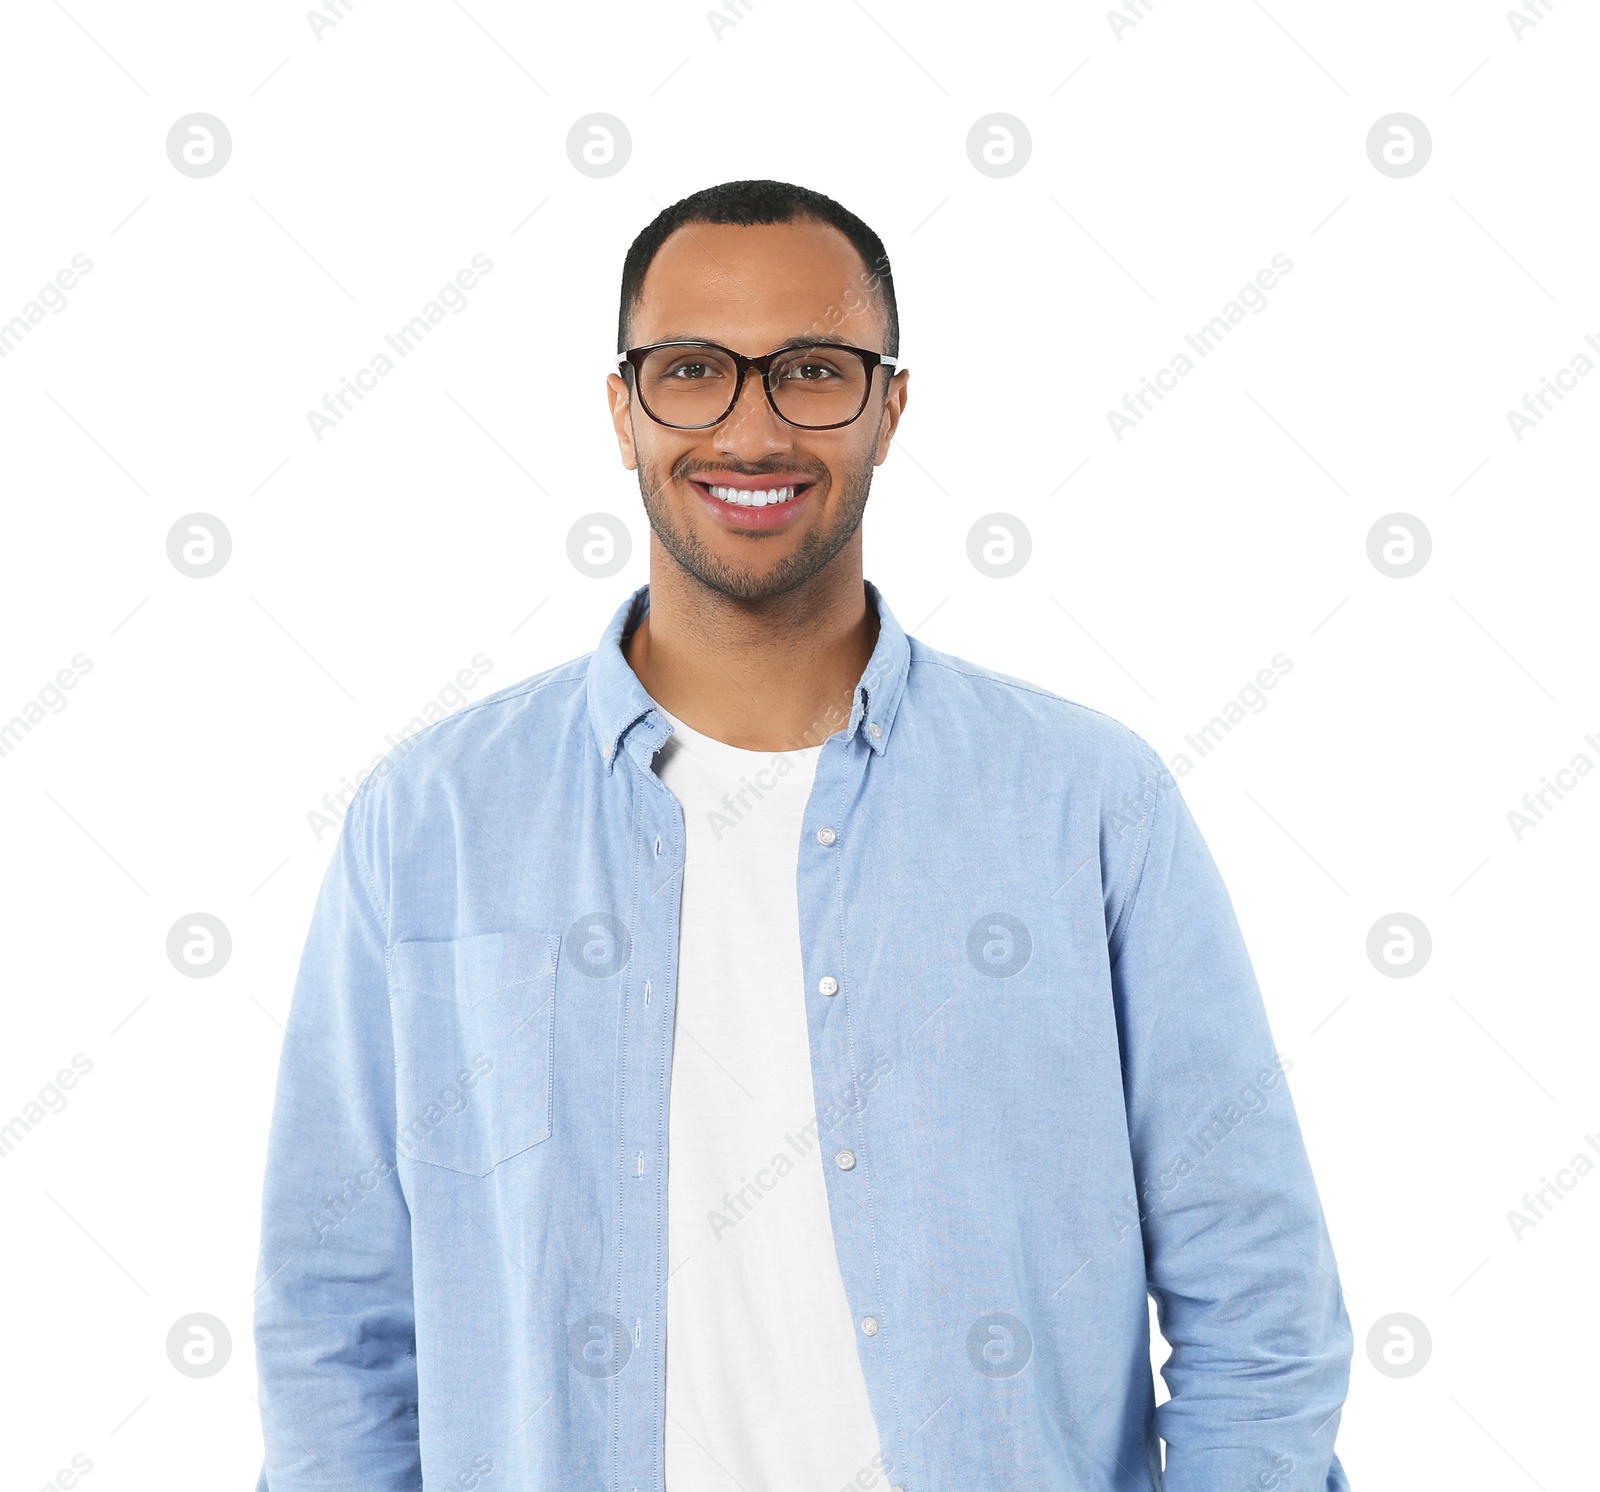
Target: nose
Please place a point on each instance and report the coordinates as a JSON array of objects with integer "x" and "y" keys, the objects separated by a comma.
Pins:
[{"x": 752, "y": 427}]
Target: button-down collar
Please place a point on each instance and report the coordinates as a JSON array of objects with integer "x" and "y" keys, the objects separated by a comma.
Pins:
[{"x": 618, "y": 701}]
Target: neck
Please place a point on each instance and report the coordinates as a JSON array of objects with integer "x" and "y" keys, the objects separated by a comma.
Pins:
[{"x": 774, "y": 674}]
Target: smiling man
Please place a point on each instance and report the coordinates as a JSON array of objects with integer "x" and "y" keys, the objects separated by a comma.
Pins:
[{"x": 767, "y": 1052}]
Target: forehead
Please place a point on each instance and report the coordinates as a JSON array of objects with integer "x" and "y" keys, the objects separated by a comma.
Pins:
[{"x": 751, "y": 288}]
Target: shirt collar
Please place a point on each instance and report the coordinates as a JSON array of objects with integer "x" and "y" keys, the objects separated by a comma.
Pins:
[{"x": 618, "y": 701}]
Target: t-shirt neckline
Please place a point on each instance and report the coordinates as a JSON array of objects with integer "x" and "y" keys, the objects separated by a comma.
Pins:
[{"x": 697, "y": 743}]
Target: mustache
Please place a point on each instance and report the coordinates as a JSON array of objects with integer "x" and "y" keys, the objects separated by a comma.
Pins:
[{"x": 686, "y": 469}]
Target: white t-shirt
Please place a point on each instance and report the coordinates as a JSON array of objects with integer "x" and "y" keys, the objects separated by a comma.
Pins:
[{"x": 764, "y": 1386}]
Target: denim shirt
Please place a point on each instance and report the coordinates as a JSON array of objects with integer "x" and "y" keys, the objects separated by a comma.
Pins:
[{"x": 1033, "y": 1024}]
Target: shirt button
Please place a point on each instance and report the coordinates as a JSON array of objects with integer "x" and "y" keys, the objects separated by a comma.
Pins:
[
  {"x": 846, "y": 1160},
  {"x": 825, "y": 835},
  {"x": 869, "y": 1324},
  {"x": 828, "y": 985},
  {"x": 875, "y": 730},
  {"x": 605, "y": 750}
]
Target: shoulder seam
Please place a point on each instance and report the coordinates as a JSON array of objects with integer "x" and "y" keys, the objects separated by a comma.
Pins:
[
  {"x": 1141, "y": 847},
  {"x": 1022, "y": 687},
  {"x": 531, "y": 686},
  {"x": 355, "y": 823}
]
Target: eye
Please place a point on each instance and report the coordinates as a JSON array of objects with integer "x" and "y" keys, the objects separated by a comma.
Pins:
[{"x": 810, "y": 370}]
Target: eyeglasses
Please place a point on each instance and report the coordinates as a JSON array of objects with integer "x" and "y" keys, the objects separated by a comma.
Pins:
[{"x": 695, "y": 385}]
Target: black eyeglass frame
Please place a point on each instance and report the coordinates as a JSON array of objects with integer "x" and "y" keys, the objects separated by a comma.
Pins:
[{"x": 870, "y": 362}]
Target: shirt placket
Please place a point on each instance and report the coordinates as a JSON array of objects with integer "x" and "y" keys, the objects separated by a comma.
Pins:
[
  {"x": 832, "y": 995},
  {"x": 655, "y": 883}
]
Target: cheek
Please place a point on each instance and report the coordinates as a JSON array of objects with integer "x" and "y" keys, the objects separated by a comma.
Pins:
[
  {"x": 654, "y": 456},
  {"x": 850, "y": 471}
]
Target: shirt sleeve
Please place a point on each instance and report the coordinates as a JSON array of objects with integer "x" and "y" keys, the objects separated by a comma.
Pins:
[
  {"x": 334, "y": 1319},
  {"x": 1237, "y": 1254}
]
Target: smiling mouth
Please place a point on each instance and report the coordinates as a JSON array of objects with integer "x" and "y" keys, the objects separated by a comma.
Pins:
[{"x": 753, "y": 497}]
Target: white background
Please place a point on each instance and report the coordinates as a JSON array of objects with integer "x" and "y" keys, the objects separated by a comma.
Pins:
[{"x": 1169, "y": 164}]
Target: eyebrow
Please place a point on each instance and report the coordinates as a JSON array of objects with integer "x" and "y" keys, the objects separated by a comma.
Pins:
[{"x": 813, "y": 339}]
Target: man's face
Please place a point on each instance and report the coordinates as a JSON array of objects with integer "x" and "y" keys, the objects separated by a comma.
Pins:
[{"x": 751, "y": 289}]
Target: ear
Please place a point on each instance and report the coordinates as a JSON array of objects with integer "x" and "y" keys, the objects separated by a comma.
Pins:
[
  {"x": 894, "y": 404},
  {"x": 622, "y": 419}
]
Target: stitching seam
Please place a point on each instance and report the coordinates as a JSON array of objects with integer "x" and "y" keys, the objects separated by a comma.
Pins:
[{"x": 1141, "y": 855}]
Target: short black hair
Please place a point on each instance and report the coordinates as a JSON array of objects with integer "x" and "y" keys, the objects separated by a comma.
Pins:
[{"x": 748, "y": 203}]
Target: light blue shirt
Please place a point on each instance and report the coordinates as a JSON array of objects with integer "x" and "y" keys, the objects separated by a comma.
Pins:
[{"x": 1045, "y": 1088}]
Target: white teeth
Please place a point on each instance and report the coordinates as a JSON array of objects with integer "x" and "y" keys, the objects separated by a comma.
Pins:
[{"x": 746, "y": 498}]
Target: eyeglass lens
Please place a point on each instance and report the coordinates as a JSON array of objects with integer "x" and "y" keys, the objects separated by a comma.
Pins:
[{"x": 811, "y": 386}]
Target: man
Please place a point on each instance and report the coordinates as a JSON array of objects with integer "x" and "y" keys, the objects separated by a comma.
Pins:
[{"x": 921, "y": 976}]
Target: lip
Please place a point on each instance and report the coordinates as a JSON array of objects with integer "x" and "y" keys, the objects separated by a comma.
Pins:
[{"x": 753, "y": 520}]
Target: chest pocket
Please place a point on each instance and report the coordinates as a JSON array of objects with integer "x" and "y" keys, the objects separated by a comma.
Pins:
[{"x": 474, "y": 1031}]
